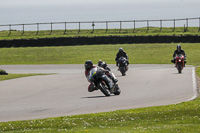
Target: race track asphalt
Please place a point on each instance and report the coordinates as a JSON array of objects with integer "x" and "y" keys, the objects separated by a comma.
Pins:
[{"x": 64, "y": 92}]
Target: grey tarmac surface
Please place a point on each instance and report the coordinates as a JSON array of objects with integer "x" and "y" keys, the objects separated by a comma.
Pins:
[{"x": 65, "y": 92}]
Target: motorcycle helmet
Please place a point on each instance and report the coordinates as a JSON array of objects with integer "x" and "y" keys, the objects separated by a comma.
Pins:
[
  {"x": 100, "y": 63},
  {"x": 88, "y": 65},
  {"x": 179, "y": 47},
  {"x": 121, "y": 50}
]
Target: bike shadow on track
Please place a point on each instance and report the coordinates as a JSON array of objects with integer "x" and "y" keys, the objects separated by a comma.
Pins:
[
  {"x": 119, "y": 76},
  {"x": 178, "y": 73},
  {"x": 99, "y": 96}
]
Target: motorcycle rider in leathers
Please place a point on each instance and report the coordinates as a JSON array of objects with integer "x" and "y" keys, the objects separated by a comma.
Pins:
[
  {"x": 88, "y": 66},
  {"x": 103, "y": 65},
  {"x": 178, "y": 51},
  {"x": 121, "y": 53}
]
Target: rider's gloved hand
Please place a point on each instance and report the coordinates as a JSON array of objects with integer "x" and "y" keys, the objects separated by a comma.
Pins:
[{"x": 106, "y": 71}]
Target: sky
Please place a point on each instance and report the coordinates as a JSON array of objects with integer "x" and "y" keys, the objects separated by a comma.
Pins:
[
  {"x": 6, "y": 5},
  {"x": 29, "y": 11},
  {"x": 84, "y": 2}
]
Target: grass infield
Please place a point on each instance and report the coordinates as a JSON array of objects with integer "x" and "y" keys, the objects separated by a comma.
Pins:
[
  {"x": 13, "y": 76},
  {"x": 138, "y": 54},
  {"x": 183, "y": 117}
]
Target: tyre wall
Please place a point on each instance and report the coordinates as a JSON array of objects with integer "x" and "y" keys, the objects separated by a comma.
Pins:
[{"x": 70, "y": 41}]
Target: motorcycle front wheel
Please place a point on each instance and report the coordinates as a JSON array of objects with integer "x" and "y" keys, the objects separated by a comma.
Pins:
[
  {"x": 179, "y": 67},
  {"x": 123, "y": 70},
  {"x": 117, "y": 90},
  {"x": 104, "y": 88}
]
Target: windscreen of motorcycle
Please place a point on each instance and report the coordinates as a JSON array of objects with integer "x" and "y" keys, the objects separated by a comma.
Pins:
[
  {"x": 180, "y": 56},
  {"x": 122, "y": 61},
  {"x": 92, "y": 74}
]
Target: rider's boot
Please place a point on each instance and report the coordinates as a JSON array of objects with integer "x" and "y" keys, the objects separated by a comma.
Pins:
[
  {"x": 113, "y": 78},
  {"x": 91, "y": 88},
  {"x": 185, "y": 62}
]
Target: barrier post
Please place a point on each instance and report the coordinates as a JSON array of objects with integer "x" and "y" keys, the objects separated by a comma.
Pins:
[
  {"x": 9, "y": 30},
  {"x": 51, "y": 28},
  {"x": 22, "y": 29},
  {"x": 174, "y": 25},
  {"x": 106, "y": 27},
  {"x": 79, "y": 28},
  {"x": 186, "y": 24},
  {"x": 199, "y": 24},
  {"x": 160, "y": 25},
  {"x": 147, "y": 26},
  {"x": 93, "y": 27},
  {"x": 134, "y": 26},
  {"x": 37, "y": 29},
  {"x": 65, "y": 28},
  {"x": 120, "y": 26},
  {"x": 186, "y": 27}
]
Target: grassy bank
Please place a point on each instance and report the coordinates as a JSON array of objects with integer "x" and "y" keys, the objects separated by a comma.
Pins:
[
  {"x": 183, "y": 117},
  {"x": 138, "y": 54},
  {"x": 198, "y": 71},
  {"x": 13, "y": 76},
  {"x": 15, "y": 34}
]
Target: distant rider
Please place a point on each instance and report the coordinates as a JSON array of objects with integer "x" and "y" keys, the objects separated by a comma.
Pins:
[
  {"x": 121, "y": 53},
  {"x": 88, "y": 66},
  {"x": 103, "y": 65},
  {"x": 178, "y": 51}
]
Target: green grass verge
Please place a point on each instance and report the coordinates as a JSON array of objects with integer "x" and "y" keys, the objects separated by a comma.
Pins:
[
  {"x": 99, "y": 32},
  {"x": 198, "y": 71},
  {"x": 13, "y": 76},
  {"x": 138, "y": 54}
]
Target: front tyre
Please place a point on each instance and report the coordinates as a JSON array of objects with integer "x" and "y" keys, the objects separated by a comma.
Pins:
[
  {"x": 179, "y": 67},
  {"x": 117, "y": 90},
  {"x": 104, "y": 88},
  {"x": 123, "y": 70}
]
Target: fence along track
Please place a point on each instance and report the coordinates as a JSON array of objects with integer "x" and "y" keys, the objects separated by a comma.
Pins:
[{"x": 131, "y": 24}]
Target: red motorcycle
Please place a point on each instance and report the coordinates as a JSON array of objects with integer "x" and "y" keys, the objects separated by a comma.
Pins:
[{"x": 179, "y": 62}]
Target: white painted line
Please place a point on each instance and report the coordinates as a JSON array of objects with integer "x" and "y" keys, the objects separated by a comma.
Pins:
[{"x": 195, "y": 89}]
